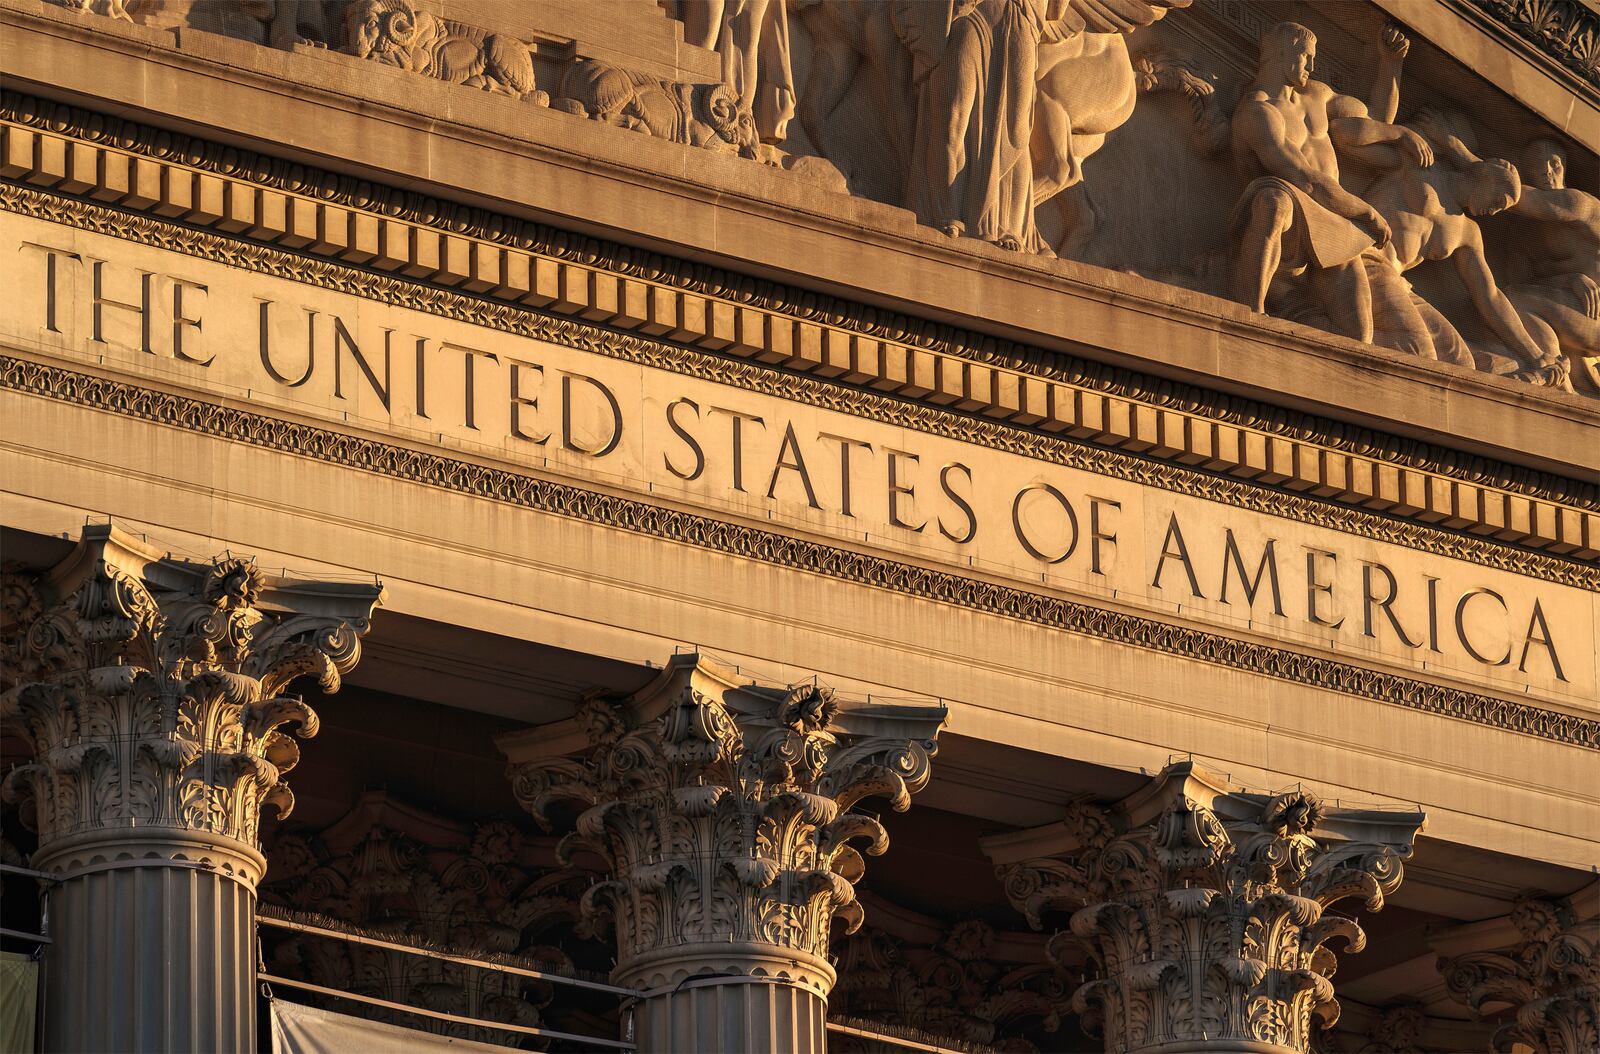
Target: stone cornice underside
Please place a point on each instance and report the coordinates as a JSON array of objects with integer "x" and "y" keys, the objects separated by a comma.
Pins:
[
  {"x": 608, "y": 510},
  {"x": 513, "y": 260}
]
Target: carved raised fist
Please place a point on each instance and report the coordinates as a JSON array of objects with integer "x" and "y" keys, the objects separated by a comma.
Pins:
[{"x": 1395, "y": 43}]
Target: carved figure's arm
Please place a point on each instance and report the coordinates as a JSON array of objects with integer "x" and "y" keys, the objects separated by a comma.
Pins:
[
  {"x": 1355, "y": 132},
  {"x": 1491, "y": 303},
  {"x": 1567, "y": 205},
  {"x": 1261, "y": 129},
  {"x": 1385, "y": 100}
]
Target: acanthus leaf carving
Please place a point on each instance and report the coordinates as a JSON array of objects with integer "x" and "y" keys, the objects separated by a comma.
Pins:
[
  {"x": 727, "y": 812},
  {"x": 1549, "y": 978},
  {"x": 391, "y": 871},
  {"x": 952, "y": 984},
  {"x": 1205, "y": 908},
  {"x": 396, "y": 33},
  {"x": 151, "y": 691}
]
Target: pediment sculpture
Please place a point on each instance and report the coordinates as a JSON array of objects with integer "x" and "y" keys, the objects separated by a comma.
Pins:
[{"x": 1252, "y": 170}]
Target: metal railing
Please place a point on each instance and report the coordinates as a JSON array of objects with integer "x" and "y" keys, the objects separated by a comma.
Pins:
[{"x": 852, "y": 1028}]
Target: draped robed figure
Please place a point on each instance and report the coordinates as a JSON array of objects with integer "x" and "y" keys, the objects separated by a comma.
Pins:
[
  {"x": 1004, "y": 90},
  {"x": 972, "y": 168}
]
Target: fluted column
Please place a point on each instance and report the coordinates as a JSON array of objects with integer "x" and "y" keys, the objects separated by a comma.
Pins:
[
  {"x": 1539, "y": 967},
  {"x": 724, "y": 814},
  {"x": 151, "y": 692},
  {"x": 1205, "y": 908}
]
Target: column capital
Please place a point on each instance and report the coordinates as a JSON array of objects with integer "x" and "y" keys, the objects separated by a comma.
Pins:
[
  {"x": 725, "y": 814},
  {"x": 1542, "y": 961},
  {"x": 1205, "y": 906},
  {"x": 152, "y": 693}
]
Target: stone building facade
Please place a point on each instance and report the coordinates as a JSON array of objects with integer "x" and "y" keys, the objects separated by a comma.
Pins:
[{"x": 769, "y": 525}]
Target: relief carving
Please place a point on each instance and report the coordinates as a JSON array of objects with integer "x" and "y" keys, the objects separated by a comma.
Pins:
[
  {"x": 396, "y": 33},
  {"x": 1296, "y": 221},
  {"x": 1011, "y": 96},
  {"x": 152, "y": 692},
  {"x": 1397, "y": 1029},
  {"x": 955, "y": 990},
  {"x": 1205, "y": 908},
  {"x": 973, "y": 114},
  {"x": 698, "y": 114},
  {"x": 1548, "y": 979},
  {"x": 391, "y": 871},
  {"x": 752, "y": 36},
  {"x": 724, "y": 813},
  {"x": 1569, "y": 32},
  {"x": 1560, "y": 301}
]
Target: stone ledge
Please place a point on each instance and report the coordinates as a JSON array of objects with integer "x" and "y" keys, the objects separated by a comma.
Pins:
[
  {"x": 765, "y": 222},
  {"x": 241, "y": 209}
]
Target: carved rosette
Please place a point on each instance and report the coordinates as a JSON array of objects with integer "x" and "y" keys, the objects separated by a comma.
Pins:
[
  {"x": 1206, "y": 909},
  {"x": 1550, "y": 979},
  {"x": 725, "y": 816},
  {"x": 1397, "y": 1029},
  {"x": 152, "y": 693}
]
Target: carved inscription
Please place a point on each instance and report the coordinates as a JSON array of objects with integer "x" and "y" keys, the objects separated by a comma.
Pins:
[{"x": 739, "y": 454}]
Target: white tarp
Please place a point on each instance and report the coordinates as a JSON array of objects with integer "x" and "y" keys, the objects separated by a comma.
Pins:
[{"x": 298, "y": 1029}]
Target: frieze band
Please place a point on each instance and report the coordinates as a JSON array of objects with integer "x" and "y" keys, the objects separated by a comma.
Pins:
[
  {"x": 704, "y": 279},
  {"x": 632, "y": 347},
  {"x": 750, "y": 543}
]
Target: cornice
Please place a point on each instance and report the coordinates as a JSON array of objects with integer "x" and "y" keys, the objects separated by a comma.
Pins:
[
  {"x": 999, "y": 380},
  {"x": 751, "y": 543},
  {"x": 1565, "y": 34},
  {"x": 857, "y": 400}
]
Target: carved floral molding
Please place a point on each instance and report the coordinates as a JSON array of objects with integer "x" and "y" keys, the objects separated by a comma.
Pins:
[
  {"x": 750, "y": 543},
  {"x": 387, "y": 869},
  {"x": 955, "y": 990},
  {"x": 949, "y": 139},
  {"x": 1566, "y": 30},
  {"x": 343, "y": 218},
  {"x": 1255, "y": 456}
]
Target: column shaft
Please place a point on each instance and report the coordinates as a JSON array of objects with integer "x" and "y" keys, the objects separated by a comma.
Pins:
[
  {"x": 151, "y": 958},
  {"x": 152, "y": 695},
  {"x": 724, "y": 814},
  {"x": 738, "y": 1017}
]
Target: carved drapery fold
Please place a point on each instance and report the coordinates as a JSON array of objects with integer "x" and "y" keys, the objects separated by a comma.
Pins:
[
  {"x": 725, "y": 815},
  {"x": 1205, "y": 908},
  {"x": 152, "y": 691},
  {"x": 1549, "y": 977}
]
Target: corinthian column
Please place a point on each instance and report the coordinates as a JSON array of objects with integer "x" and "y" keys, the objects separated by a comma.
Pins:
[
  {"x": 1539, "y": 967},
  {"x": 151, "y": 693},
  {"x": 1205, "y": 908},
  {"x": 725, "y": 816}
]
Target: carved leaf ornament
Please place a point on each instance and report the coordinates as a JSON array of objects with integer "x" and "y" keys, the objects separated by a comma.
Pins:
[
  {"x": 727, "y": 823},
  {"x": 1208, "y": 922},
  {"x": 1550, "y": 979},
  {"x": 159, "y": 699}
]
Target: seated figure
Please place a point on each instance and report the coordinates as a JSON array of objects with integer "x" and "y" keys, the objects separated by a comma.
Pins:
[
  {"x": 1432, "y": 216},
  {"x": 1296, "y": 219},
  {"x": 1561, "y": 254}
]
